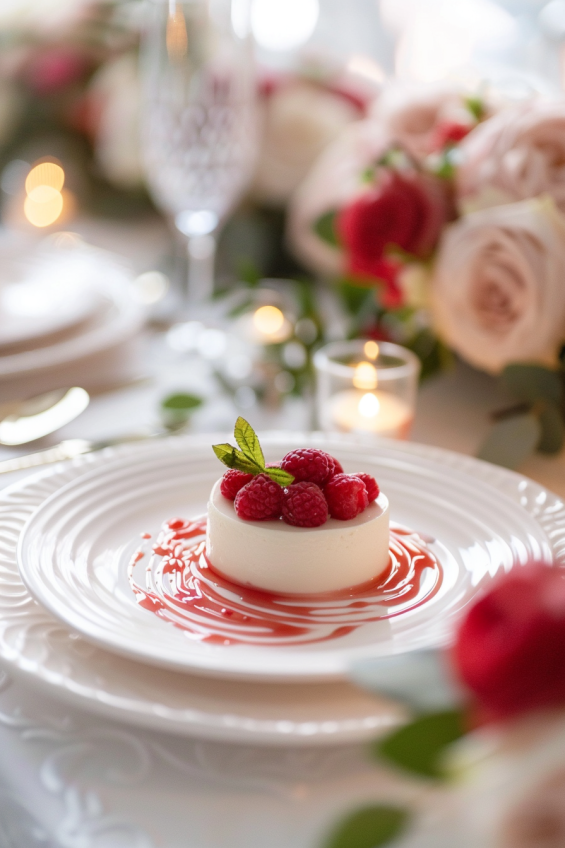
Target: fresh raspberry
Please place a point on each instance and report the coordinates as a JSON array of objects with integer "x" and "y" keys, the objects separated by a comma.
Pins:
[
  {"x": 346, "y": 496},
  {"x": 335, "y": 465},
  {"x": 259, "y": 500},
  {"x": 371, "y": 485},
  {"x": 304, "y": 505},
  {"x": 233, "y": 481},
  {"x": 308, "y": 465}
]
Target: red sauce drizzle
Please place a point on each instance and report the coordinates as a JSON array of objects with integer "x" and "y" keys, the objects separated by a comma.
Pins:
[{"x": 181, "y": 586}]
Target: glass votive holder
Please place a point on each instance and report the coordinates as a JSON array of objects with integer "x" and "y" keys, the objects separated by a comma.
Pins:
[{"x": 366, "y": 387}]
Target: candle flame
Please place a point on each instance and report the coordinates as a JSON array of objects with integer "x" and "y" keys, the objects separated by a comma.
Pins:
[
  {"x": 268, "y": 320},
  {"x": 371, "y": 350},
  {"x": 365, "y": 376},
  {"x": 369, "y": 406}
]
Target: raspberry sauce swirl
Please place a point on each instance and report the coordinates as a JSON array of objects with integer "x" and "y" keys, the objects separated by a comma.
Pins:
[{"x": 181, "y": 587}]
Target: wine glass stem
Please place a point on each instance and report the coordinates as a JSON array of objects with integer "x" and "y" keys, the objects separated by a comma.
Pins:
[{"x": 201, "y": 256}]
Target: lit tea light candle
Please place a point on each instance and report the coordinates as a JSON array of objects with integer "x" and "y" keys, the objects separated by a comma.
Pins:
[
  {"x": 267, "y": 325},
  {"x": 366, "y": 387},
  {"x": 381, "y": 413},
  {"x": 364, "y": 410}
]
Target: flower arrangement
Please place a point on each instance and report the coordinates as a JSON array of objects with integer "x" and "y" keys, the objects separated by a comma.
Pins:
[
  {"x": 496, "y": 744},
  {"x": 442, "y": 215}
]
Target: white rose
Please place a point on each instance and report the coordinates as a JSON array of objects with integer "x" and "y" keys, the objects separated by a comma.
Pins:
[
  {"x": 333, "y": 181},
  {"x": 116, "y": 88},
  {"x": 512, "y": 784},
  {"x": 299, "y": 120},
  {"x": 498, "y": 288},
  {"x": 515, "y": 155}
]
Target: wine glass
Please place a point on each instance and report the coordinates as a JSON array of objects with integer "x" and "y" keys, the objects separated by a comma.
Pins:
[{"x": 198, "y": 122}]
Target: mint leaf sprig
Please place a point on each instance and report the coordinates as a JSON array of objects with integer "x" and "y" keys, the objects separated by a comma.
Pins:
[{"x": 248, "y": 457}]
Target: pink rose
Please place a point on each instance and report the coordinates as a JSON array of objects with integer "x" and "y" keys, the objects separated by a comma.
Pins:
[
  {"x": 498, "y": 293},
  {"x": 515, "y": 155},
  {"x": 416, "y": 116},
  {"x": 50, "y": 70}
]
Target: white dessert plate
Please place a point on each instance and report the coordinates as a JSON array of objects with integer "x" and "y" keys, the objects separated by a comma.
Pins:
[
  {"x": 37, "y": 647},
  {"x": 74, "y": 553}
]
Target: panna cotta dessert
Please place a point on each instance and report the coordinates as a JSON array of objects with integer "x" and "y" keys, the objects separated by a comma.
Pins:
[{"x": 300, "y": 527}]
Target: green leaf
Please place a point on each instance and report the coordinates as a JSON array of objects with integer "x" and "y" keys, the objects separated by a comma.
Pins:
[
  {"x": 419, "y": 746},
  {"x": 511, "y": 440},
  {"x": 552, "y": 429},
  {"x": 533, "y": 382},
  {"x": 283, "y": 478},
  {"x": 324, "y": 227},
  {"x": 247, "y": 440},
  {"x": 233, "y": 458},
  {"x": 370, "y": 827},
  {"x": 181, "y": 402}
]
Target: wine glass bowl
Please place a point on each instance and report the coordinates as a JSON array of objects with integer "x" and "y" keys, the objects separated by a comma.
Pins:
[{"x": 199, "y": 125}]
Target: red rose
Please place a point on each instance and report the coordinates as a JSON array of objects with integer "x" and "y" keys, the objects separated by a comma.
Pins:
[
  {"x": 510, "y": 649},
  {"x": 405, "y": 211},
  {"x": 447, "y": 133}
]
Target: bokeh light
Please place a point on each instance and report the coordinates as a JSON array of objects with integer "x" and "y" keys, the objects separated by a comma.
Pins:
[
  {"x": 45, "y": 174},
  {"x": 268, "y": 320},
  {"x": 371, "y": 350},
  {"x": 283, "y": 24},
  {"x": 45, "y": 202}
]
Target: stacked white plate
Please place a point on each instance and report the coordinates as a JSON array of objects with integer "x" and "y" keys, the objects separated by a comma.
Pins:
[
  {"x": 67, "y": 316},
  {"x": 70, "y": 624}
]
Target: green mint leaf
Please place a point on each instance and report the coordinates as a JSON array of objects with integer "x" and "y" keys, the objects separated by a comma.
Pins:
[
  {"x": 247, "y": 440},
  {"x": 370, "y": 827},
  {"x": 226, "y": 454},
  {"x": 283, "y": 478},
  {"x": 233, "y": 458},
  {"x": 419, "y": 747},
  {"x": 324, "y": 227}
]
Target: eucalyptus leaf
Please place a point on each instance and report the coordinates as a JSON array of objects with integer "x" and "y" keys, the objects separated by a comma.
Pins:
[
  {"x": 532, "y": 382},
  {"x": 419, "y": 747},
  {"x": 247, "y": 440},
  {"x": 370, "y": 827},
  {"x": 419, "y": 679},
  {"x": 283, "y": 478},
  {"x": 181, "y": 402},
  {"x": 512, "y": 440},
  {"x": 324, "y": 227},
  {"x": 552, "y": 429}
]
